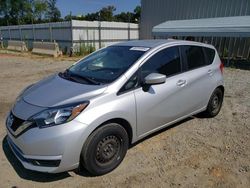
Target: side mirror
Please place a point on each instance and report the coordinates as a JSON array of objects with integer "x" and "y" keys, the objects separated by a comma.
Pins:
[{"x": 155, "y": 78}]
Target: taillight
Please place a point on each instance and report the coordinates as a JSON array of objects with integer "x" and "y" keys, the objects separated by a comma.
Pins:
[{"x": 221, "y": 67}]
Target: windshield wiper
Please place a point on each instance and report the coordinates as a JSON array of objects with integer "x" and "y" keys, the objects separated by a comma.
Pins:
[
  {"x": 65, "y": 75},
  {"x": 75, "y": 77},
  {"x": 88, "y": 79}
]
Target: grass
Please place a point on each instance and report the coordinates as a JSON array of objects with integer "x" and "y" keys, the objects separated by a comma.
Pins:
[{"x": 85, "y": 49}]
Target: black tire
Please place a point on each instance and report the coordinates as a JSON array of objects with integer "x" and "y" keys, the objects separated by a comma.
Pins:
[
  {"x": 214, "y": 104},
  {"x": 105, "y": 149}
]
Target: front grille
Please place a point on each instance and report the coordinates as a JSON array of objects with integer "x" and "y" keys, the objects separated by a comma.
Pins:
[
  {"x": 17, "y": 126},
  {"x": 17, "y": 122}
]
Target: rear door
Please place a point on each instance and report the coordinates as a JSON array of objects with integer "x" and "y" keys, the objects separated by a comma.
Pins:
[{"x": 199, "y": 78}]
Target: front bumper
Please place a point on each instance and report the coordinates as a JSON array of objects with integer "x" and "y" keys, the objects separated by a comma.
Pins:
[
  {"x": 52, "y": 150},
  {"x": 50, "y": 164}
]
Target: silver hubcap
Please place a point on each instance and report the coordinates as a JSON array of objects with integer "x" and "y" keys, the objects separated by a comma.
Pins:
[
  {"x": 107, "y": 149},
  {"x": 215, "y": 103}
]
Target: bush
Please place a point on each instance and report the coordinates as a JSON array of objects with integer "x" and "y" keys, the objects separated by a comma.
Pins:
[{"x": 85, "y": 49}]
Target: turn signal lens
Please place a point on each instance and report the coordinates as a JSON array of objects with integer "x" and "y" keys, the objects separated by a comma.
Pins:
[{"x": 77, "y": 110}]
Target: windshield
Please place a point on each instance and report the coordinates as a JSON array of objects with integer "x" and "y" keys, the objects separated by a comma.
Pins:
[{"x": 106, "y": 65}]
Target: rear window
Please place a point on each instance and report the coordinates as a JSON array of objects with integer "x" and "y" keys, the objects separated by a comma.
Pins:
[
  {"x": 210, "y": 53},
  {"x": 195, "y": 57}
]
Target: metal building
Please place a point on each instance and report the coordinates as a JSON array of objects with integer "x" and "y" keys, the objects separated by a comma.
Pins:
[
  {"x": 72, "y": 33},
  {"x": 155, "y": 12}
]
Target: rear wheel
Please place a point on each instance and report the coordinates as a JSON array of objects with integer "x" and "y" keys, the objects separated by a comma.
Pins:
[
  {"x": 105, "y": 149},
  {"x": 215, "y": 103}
]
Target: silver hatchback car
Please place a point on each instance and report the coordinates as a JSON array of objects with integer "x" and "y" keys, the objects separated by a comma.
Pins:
[{"x": 89, "y": 114}]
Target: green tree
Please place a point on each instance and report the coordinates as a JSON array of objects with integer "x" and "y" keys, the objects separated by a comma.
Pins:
[
  {"x": 124, "y": 17},
  {"x": 133, "y": 17},
  {"x": 137, "y": 14},
  {"x": 21, "y": 11},
  {"x": 16, "y": 11},
  {"x": 53, "y": 13},
  {"x": 107, "y": 13},
  {"x": 68, "y": 17},
  {"x": 29, "y": 17},
  {"x": 13, "y": 12},
  {"x": 40, "y": 7},
  {"x": 4, "y": 11},
  {"x": 92, "y": 16}
]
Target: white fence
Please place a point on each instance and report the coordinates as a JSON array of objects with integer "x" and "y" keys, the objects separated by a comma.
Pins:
[{"x": 72, "y": 33}]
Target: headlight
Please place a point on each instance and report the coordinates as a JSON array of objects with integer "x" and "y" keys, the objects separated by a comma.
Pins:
[{"x": 57, "y": 116}]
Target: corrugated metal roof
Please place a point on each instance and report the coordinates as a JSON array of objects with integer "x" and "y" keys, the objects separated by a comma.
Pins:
[{"x": 237, "y": 26}]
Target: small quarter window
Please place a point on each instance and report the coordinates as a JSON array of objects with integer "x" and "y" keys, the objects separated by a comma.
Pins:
[
  {"x": 210, "y": 53},
  {"x": 131, "y": 84}
]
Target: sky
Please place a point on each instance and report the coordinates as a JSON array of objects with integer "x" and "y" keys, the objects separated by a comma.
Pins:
[{"x": 79, "y": 7}]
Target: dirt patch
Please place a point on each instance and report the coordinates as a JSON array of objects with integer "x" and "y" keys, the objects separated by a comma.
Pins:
[{"x": 197, "y": 152}]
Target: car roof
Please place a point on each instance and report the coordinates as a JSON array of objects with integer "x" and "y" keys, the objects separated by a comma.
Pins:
[
  {"x": 158, "y": 42},
  {"x": 144, "y": 43}
]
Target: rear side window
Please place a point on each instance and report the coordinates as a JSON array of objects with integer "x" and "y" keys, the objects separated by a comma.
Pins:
[
  {"x": 195, "y": 57},
  {"x": 165, "y": 62},
  {"x": 210, "y": 53}
]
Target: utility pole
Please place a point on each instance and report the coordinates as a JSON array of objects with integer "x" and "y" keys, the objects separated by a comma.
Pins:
[
  {"x": 50, "y": 32},
  {"x": 71, "y": 51},
  {"x": 129, "y": 26},
  {"x": 20, "y": 32},
  {"x": 33, "y": 29},
  {"x": 99, "y": 30},
  {"x": 9, "y": 29}
]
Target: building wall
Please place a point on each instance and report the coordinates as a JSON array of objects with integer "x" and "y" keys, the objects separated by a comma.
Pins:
[
  {"x": 109, "y": 32},
  {"x": 155, "y": 12},
  {"x": 47, "y": 32},
  {"x": 72, "y": 33}
]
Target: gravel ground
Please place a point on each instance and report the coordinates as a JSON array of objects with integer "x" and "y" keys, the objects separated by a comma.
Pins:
[{"x": 197, "y": 152}]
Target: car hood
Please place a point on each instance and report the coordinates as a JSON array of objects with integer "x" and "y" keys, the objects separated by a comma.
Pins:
[{"x": 56, "y": 91}]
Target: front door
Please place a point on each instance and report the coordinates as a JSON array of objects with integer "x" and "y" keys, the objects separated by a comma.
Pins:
[{"x": 162, "y": 103}]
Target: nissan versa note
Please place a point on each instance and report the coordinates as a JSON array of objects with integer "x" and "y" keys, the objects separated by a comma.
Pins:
[{"x": 90, "y": 113}]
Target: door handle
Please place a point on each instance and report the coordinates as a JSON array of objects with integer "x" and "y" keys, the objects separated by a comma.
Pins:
[
  {"x": 210, "y": 72},
  {"x": 181, "y": 83}
]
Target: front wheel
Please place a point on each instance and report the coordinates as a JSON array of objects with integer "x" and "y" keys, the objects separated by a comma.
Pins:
[
  {"x": 105, "y": 149},
  {"x": 215, "y": 103}
]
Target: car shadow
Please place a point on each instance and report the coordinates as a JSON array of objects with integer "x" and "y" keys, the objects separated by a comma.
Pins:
[
  {"x": 162, "y": 130},
  {"x": 29, "y": 174}
]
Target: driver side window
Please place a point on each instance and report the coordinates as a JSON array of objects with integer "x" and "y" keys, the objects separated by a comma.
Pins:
[{"x": 167, "y": 62}]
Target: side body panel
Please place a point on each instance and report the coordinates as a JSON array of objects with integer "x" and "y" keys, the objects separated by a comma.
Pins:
[{"x": 163, "y": 103}]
